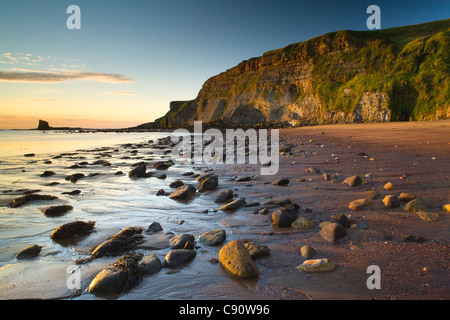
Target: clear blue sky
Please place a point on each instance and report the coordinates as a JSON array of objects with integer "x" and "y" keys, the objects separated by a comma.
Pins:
[{"x": 131, "y": 58}]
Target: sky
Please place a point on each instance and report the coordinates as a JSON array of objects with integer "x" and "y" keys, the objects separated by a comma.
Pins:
[{"x": 131, "y": 58}]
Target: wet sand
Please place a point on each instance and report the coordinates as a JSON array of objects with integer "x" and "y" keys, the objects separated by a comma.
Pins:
[{"x": 413, "y": 156}]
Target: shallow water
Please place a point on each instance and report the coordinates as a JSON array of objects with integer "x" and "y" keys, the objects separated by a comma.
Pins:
[{"x": 113, "y": 201}]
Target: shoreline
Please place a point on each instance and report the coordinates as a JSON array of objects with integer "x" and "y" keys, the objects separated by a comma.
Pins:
[{"x": 402, "y": 153}]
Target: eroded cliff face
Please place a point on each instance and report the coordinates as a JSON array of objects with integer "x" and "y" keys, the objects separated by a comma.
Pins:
[{"x": 341, "y": 77}]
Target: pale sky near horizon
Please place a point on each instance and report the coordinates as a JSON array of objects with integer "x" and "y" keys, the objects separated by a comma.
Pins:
[{"x": 131, "y": 58}]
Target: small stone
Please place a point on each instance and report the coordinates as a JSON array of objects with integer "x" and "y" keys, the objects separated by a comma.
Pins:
[
  {"x": 332, "y": 232},
  {"x": 406, "y": 197},
  {"x": 243, "y": 179},
  {"x": 56, "y": 211},
  {"x": 389, "y": 186},
  {"x": 416, "y": 206},
  {"x": 47, "y": 174},
  {"x": 139, "y": 171},
  {"x": 224, "y": 196},
  {"x": 360, "y": 204},
  {"x": 284, "y": 217},
  {"x": 428, "y": 216},
  {"x": 154, "y": 227},
  {"x": 213, "y": 237},
  {"x": 208, "y": 184},
  {"x": 373, "y": 195},
  {"x": 324, "y": 224},
  {"x": 236, "y": 204},
  {"x": 302, "y": 223},
  {"x": 29, "y": 252},
  {"x": 176, "y": 184},
  {"x": 307, "y": 251},
  {"x": 411, "y": 238},
  {"x": 353, "y": 181},
  {"x": 281, "y": 182},
  {"x": 312, "y": 170},
  {"x": 391, "y": 202},
  {"x": 341, "y": 219},
  {"x": 256, "y": 251},
  {"x": 179, "y": 257},
  {"x": 160, "y": 192},
  {"x": 319, "y": 265},
  {"x": 150, "y": 264},
  {"x": 179, "y": 241},
  {"x": 184, "y": 192}
]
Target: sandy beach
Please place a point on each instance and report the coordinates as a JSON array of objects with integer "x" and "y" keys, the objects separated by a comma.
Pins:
[
  {"x": 412, "y": 253},
  {"x": 413, "y": 156}
]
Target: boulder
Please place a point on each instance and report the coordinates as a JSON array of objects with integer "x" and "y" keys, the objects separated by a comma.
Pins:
[
  {"x": 150, "y": 264},
  {"x": 332, "y": 232},
  {"x": 224, "y": 196},
  {"x": 208, "y": 184},
  {"x": 236, "y": 204},
  {"x": 213, "y": 237},
  {"x": 29, "y": 252},
  {"x": 360, "y": 204},
  {"x": 284, "y": 217},
  {"x": 183, "y": 193},
  {"x": 236, "y": 259},
  {"x": 318, "y": 265},
  {"x": 179, "y": 257},
  {"x": 117, "y": 278},
  {"x": 181, "y": 241}
]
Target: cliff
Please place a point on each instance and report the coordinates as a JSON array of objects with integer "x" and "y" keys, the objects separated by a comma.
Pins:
[{"x": 340, "y": 77}]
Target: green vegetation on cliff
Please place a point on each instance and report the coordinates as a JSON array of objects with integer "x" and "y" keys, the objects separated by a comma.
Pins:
[{"x": 344, "y": 76}]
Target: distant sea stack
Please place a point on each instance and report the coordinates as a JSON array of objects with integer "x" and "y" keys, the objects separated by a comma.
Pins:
[
  {"x": 396, "y": 74},
  {"x": 43, "y": 125}
]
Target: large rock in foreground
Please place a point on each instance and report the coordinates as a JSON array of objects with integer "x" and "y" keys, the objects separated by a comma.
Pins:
[{"x": 236, "y": 259}]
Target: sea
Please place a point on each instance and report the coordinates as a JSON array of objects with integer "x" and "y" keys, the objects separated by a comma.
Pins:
[{"x": 107, "y": 196}]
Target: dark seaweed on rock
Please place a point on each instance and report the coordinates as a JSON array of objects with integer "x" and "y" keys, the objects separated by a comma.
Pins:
[
  {"x": 28, "y": 198},
  {"x": 121, "y": 242},
  {"x": 118, "y": 278}
]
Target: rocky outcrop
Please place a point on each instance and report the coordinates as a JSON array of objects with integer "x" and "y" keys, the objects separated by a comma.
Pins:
[{"x": 340, "y": 77}]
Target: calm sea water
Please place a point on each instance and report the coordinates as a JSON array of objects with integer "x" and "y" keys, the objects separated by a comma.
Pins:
[
  {"x": 20, "y": 142},
  {"x": 113, "y": 201}
]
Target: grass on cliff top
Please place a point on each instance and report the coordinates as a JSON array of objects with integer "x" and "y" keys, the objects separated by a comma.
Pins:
[{"x": 413, "y": 71}]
